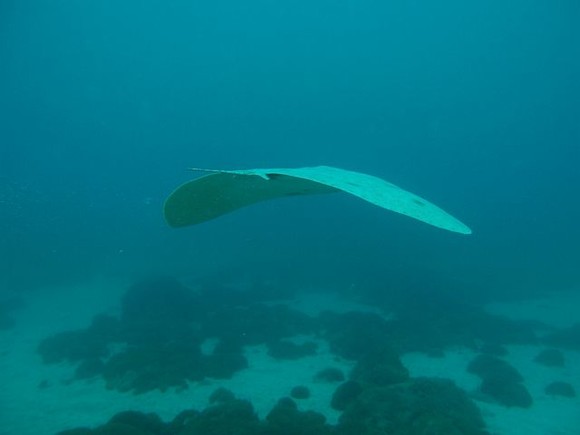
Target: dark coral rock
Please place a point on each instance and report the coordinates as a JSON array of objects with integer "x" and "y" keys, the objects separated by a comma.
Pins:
[
  {"x": 226, "y": 359},
  {"x": 330, "y": 374},
  {"x": 550, "y": 358},
  {"x": 286, "y": 402},
  {"x": 105, "y": 328},
  {"x": 160, "y": 331},
  {"x": 285, "y": 419},
  {"x": 419, "y": 406},
  {"x": 568, "y": 338},
  {"x": 563, "y": 389},
  {"x": 344, "y": 332},
  {"x": 300, "y": 392},
  {"x": 72, "y": 346},
  {"x": 429, "y": 319},
  {"x": 142, "y": 369},
  {"x": 89, "y": 368},
  {"x": 77, "y": 431},
  {"x": 493, "y": 349},
  {"x": 284, "y": 349},
  {"x": 120, "y": 429},
  {"x": 149, "y": 422},
  {"x": 235, "y": 417},
  {"x": 501, "y": 381},
  {"x": 158, "y": 310},
  {"x": 380, "y": 368},
  {"x": 490, "y": 367},
  {"x": 153, "y": 334},
  {"x": 91, "y": 343},
  {"x": 182, "y": 419},
  {"x": 345, "y": 394},
  {"x": 221, "y": 395},
  {"x": 257, "y": 324},
  {"x": 509, "y": 394},
  {"x": 159, "y": 301}
]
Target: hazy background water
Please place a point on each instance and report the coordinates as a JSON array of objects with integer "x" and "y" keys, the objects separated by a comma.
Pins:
[{"x": 473, "y": 105}]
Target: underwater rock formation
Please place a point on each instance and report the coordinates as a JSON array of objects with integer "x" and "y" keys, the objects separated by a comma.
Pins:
[
  {"x": 156, "y": 342},
  {"x": 287, "y": 350},
  {"x": 344, "y": 332},
  {"x": 300, "y": 392},
  {"x": 418, "y": 406},
  {"x": 558, "y": 388},
  {"x": 330, "y": 374},
  {"x": 508, "y": 394},
  {"x": 501, "y": 381},
  {"x": 286, "y": 419},
  {"x": 159, "y": 301},
  {"x": 345, "y": 394},
  {"x": 568, "y": 338},
  {"x": 550, "y": 358},
  {"x": 379, "y": 368},
  {"x": 146, "y": 368},
  {"x": 487, "y": 366}
]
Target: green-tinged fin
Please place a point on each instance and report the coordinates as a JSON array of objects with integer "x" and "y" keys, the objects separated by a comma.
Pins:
[{"x": 221, "y": 192}]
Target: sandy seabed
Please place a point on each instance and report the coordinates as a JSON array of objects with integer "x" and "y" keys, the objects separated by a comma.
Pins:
[{"x": 26, "y": 408}]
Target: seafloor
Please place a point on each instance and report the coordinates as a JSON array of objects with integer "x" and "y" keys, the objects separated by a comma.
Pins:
[{"x": 42, "y": 392}]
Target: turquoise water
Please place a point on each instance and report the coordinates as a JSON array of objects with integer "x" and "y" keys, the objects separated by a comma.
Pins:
[{"x": 474, "y": 106}]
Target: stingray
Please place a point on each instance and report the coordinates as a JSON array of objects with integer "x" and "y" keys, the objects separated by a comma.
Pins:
[{"x": 222, "y": 191}]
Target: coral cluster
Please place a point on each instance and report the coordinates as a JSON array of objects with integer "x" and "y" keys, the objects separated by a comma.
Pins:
[{"x": 501, "y": 381}]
